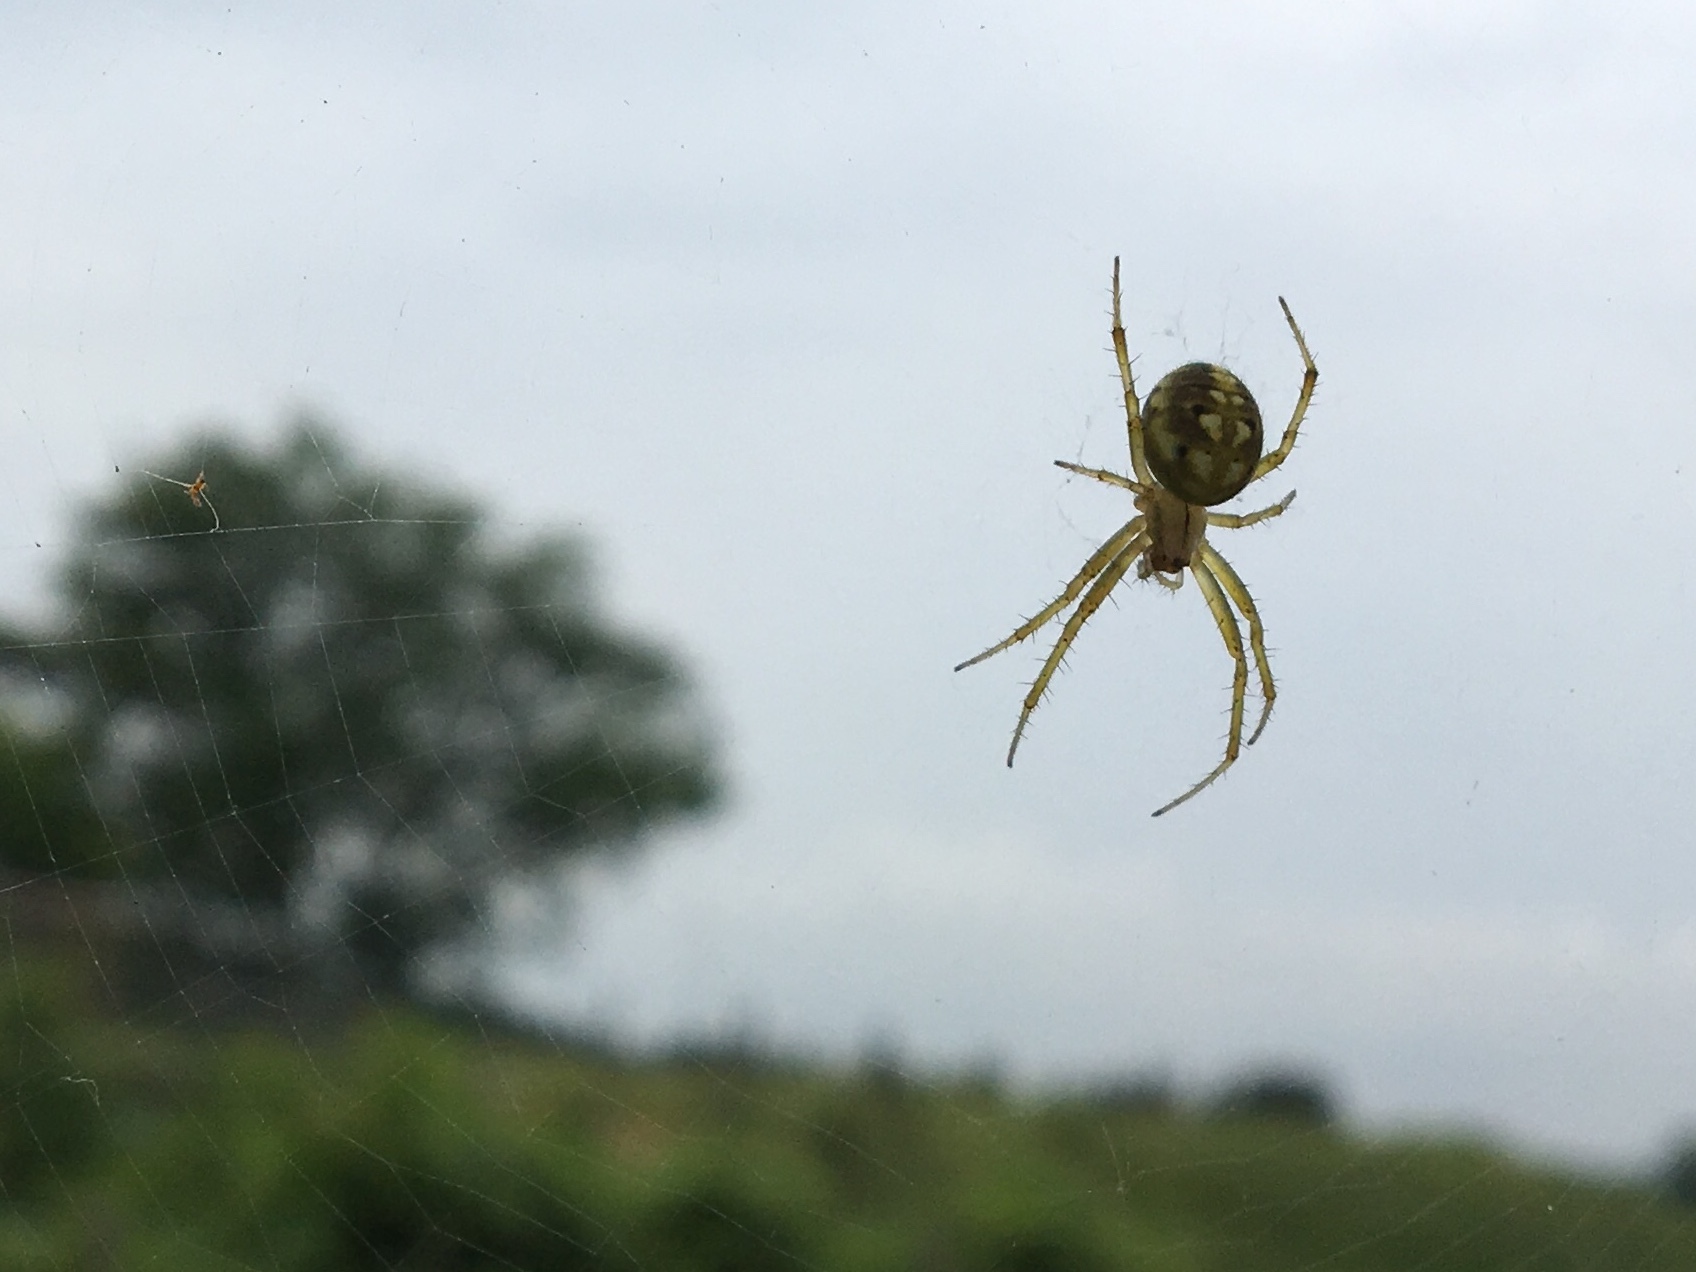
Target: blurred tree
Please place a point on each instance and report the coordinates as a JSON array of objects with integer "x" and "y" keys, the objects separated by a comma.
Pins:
[
  {"x": 47, "y": 823},
  {"x": 336, "y": 728},
  {"x": 1279, "y": 1095},
  {"x": 1679, "y": 1173}
]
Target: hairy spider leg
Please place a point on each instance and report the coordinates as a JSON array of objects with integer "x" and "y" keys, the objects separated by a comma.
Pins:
[
  {"x": 1237, "y": 590},
  {"x": 1233, "y": 638},
  {"x": 1234, "y": 521},
  {"x": 1133, "y": 416},
  {"x": 1099, "y": 560},
  {"x": 1101, "y": 474},
  {"x": 1309, "y": 378},
  {"x": 1097, "y": 593},
  {"x": 1143, "y": 569}
]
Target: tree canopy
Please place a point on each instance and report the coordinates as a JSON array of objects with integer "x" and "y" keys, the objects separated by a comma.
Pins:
[{"x": 338, "y": 724}]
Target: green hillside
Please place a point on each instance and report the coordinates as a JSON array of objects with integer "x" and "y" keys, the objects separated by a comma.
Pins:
[{"x": 407, "y": 1143}]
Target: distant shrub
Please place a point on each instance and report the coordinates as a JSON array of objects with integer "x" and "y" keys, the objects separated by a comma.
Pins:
[
  {"x": 1282, "y": 1095},
  {"x": 719, "y": 1225},
  {"x": 1056, "y": 1250},
  {"x": 1135, "y": 1094},
  {"x": 1679, "y": 1175},
  {"x": 737, "y": 1051}
]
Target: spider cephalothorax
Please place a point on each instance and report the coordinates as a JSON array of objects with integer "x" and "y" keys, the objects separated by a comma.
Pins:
[{"x": 1195, "y": 443}]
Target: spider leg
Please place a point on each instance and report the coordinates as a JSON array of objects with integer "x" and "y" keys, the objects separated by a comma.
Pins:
[
  {"x": 1133, "y": 417},
  {"x": 1097, "y": 593},
  {"x": 1234, "y": 587},
  {"x": 161, "y": 477},
  {"x": 195, "y": 490},
  {"x": 1309, "y": 378},
  {"x": 1101, "y": 474},
  {"x": 1099, "y": 560},
  {"x": 1233, "y": 638},
  {"x": 1232, "y": 521}
]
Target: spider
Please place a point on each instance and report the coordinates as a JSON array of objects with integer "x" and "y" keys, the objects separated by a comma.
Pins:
[
  {"x": 1195, "y": 443},
  {"x": 196, "y": 491}
]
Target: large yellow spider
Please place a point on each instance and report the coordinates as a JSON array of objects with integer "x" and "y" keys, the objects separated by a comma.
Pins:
[{"x": 1195, "y": 443}]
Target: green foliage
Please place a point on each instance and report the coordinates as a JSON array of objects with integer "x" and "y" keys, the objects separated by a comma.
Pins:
[
  {"x": 50, "y": 1119},
  {"x": 408, "y": 1143},
  {"x": 47, "y": 821},
  {"x": 330, "y": 730}
]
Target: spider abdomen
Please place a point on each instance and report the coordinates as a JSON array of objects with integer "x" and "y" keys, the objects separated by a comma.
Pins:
[{"x": 1203, "y": 433}]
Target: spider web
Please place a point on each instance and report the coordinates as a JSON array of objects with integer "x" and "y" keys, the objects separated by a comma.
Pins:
[
  {"x": 797, "y": 242},
  {"x": 224, "y": 1120}
]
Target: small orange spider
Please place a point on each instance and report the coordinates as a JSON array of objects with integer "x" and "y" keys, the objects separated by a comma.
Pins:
[
  {"x": 1195, "y": 443},
  {"x": 196, "y": 491}
]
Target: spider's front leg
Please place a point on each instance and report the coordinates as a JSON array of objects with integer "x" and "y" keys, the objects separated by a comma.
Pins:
[
  {"x": 1233, "y": 638},
  {"x": 1098, "y": 561},
  {"x": 1237, "y": 590},
  {"x": 1092, "y": 601}
]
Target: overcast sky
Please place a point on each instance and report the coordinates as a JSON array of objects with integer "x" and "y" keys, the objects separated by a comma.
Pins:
[{"x": 791, "y": 307}]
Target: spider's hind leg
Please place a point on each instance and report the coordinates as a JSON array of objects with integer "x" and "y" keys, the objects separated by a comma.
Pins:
[
  {"x": 1309, "y": 378},
  {"x": 1133, "y": 417}
]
